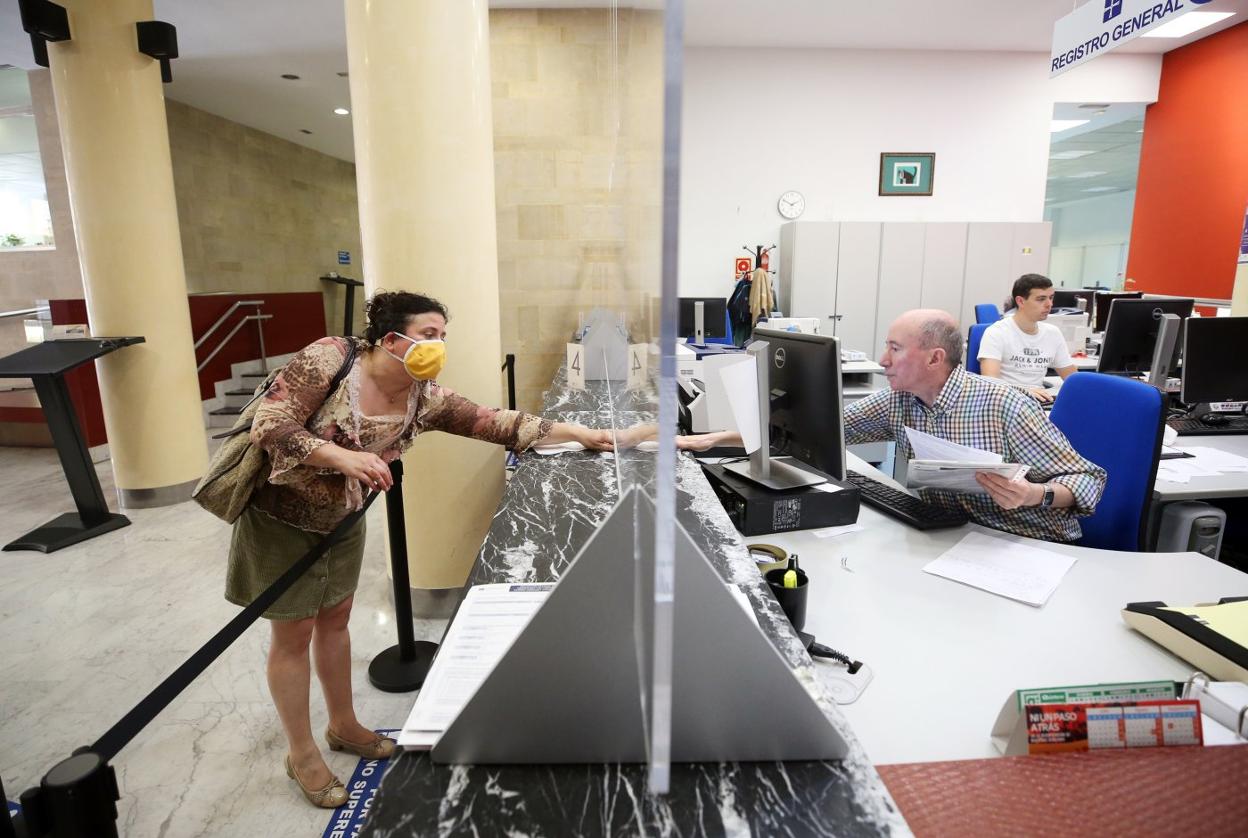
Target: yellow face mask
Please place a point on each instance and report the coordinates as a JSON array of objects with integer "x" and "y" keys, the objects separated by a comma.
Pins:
[{"x": 424, "y": 358}]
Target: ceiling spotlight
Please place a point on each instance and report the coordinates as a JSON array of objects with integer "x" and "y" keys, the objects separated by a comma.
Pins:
[
  {"x": 290, "y": 77},
  {"x": 304, "y": 131},
  {"x": 341, "y": 111}
]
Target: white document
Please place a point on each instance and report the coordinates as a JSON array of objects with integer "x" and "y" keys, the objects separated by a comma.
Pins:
[
  {"x": 929, "y": 447},
  {"x": 1003, "y": 567},
  {"x": 649, "y": 446},
  {"x": 1182, "y": 471},
  {"x": 1221, "y": 462},
  {"x": 941, "y": 464},
  {"x": 741, "y": 386},
  {"x": 488, "y": 622},
  {"x": 832, "y": 532}
]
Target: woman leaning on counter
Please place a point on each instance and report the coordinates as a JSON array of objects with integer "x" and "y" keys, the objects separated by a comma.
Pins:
[{"x": 327, "y": 449}]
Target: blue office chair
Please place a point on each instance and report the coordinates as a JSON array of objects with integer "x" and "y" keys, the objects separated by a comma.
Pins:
[
  {"x": 1127, "y": 448},
  {"x": 987, "y": 313},
  {"x": 972, "y": 346}
]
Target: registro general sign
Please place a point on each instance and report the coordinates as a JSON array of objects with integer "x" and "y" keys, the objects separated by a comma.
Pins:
[{"x": 1100, "y": 25}]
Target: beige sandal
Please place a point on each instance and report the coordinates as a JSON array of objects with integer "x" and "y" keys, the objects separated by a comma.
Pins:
[
  {"x": 331, "y": 797},
  {"x": 381, "y": 747}
]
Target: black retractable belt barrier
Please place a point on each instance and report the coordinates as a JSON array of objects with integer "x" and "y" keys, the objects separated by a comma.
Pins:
[
  {"x": 77, "y": 796},
  {"x": 400, "y": 668}
]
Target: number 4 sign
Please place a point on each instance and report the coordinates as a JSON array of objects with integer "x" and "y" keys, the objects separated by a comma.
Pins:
[
  {"x": 637, "y": 354},
  {"x": 576, "y": 366}
]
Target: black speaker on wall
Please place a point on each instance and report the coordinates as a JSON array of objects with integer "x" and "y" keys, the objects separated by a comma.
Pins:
[
  {"x": 44, "y": 21},
  {"x": 160, "y": 41}
]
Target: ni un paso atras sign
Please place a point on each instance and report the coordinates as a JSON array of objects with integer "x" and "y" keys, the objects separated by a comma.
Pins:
[{"x": 1098, "y": 26}]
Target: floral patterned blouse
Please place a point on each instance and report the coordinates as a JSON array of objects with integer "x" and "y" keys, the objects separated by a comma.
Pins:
[{"x": 299, "y": 415}]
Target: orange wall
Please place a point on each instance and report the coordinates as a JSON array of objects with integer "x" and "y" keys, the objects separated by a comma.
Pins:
[{"x": 1193, "y": 182}]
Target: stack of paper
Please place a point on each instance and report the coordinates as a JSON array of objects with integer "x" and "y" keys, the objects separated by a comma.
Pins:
[
  {"x": 1203, "y": 462},
  {"x": 1003, "y": 566},
  {"x": 941, "y": 464},
  {"x": 487, "y": 623},
  {"x": 489, "y": 620}
]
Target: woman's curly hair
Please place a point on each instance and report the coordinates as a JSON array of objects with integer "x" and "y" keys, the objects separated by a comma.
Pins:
[{"x": 390, "y": 311}]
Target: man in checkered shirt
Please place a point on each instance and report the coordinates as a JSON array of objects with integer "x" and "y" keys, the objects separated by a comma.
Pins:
[{"x": 932, "y": 392}]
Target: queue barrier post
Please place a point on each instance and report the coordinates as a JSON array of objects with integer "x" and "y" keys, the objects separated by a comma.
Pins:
[{"x": 401, "y": 668}]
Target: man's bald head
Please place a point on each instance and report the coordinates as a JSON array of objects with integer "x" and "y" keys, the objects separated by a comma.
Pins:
[
  {"x": 921, "y": 351},
  {"x": 933, "y": 328}
]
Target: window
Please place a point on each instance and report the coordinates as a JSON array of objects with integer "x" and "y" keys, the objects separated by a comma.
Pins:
[{"x": 24, "y": 217}]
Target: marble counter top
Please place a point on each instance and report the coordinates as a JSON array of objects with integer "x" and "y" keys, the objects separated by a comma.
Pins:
[{"x": 549, "y": 509}]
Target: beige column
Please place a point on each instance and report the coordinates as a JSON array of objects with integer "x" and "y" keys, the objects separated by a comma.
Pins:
[
  {"x": 111, "y": 110},
  {"x": 424, "y": 158}
]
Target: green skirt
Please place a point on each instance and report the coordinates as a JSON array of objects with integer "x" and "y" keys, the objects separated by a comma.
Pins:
[{"x": 263, "y": 548}]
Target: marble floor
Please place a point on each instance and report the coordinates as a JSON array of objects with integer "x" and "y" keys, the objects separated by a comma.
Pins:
[{"x": 89, "y": 630}]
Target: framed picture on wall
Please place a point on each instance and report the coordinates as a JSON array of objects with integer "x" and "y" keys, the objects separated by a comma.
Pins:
[{"x": 906, "y": 173}]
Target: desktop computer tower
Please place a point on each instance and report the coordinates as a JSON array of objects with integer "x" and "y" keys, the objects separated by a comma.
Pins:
[
  {"x": 757, "y": 510},
  {"x": 1191, "y": 526}
]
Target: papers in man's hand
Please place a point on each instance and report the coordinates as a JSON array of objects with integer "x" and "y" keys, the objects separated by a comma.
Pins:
[
  {"x": 1004, "y": 567},
  {"x": 941, "y": 464}
]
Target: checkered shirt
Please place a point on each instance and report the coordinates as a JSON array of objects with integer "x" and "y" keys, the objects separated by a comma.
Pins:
[{"x": 988, "y": 414}]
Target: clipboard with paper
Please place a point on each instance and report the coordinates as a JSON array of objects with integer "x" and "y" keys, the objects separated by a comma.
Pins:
[{"x": 941, "y": 464}]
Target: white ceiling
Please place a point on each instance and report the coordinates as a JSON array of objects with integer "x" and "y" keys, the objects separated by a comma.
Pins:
[{"x": 234, "y": 51}]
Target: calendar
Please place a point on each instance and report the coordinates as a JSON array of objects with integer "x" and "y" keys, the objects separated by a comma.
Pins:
[{"x": 1088, "y": 727}]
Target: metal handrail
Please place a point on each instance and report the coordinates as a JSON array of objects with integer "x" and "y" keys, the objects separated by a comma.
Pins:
[
  {"x": 258, "y": 318},
  {"x": 223, "y": 318},
  {"x": 20, "y": 311}
]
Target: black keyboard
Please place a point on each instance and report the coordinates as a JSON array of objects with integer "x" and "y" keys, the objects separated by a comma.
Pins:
[
  {"x": 1195, "y": 427},
  {"x": 905, "y": 508}
]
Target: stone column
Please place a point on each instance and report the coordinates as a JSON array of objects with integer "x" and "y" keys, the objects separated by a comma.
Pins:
[
  {"x": 424, "y": 157},
  {"x": 111, "y": 111}
]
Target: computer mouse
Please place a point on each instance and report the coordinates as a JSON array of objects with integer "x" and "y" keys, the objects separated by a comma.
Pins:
[{"x": 1212, "y": 419}]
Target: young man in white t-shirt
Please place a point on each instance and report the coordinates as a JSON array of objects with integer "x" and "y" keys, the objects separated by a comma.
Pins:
[{"x": 1020, "y": 348}]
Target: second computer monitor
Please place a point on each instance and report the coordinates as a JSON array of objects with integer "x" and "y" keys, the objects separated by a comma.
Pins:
[
  {"x": 1213, "y": 364},
  {"x": 805, "y": 381},
  {"x": 1131, "y": 334},
  {"x": 1070, "y": 299},
  {"x": 1104, "y": 304},
  {"x": 714, "y": 316}
]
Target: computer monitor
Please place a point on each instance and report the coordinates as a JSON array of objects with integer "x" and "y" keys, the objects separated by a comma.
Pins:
[
  {"x": 1131, "y": 334},
  {"x": 1213, "y": 368},
  {"x": 714, "y": 315},
  {"x": 1104, "y": 302},
  {"x": 805, "y": 380},
  {"x": 1070, "y": 299}
]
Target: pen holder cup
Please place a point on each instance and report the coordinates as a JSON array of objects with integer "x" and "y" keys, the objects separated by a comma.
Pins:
[{"x": 792, "y": 600}]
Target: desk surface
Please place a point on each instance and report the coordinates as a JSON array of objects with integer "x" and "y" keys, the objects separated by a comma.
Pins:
[
  {"x": 549, "y": 509},
  {"x": 1221, "y": 486},
  {"x": 929, "y": 638}
]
